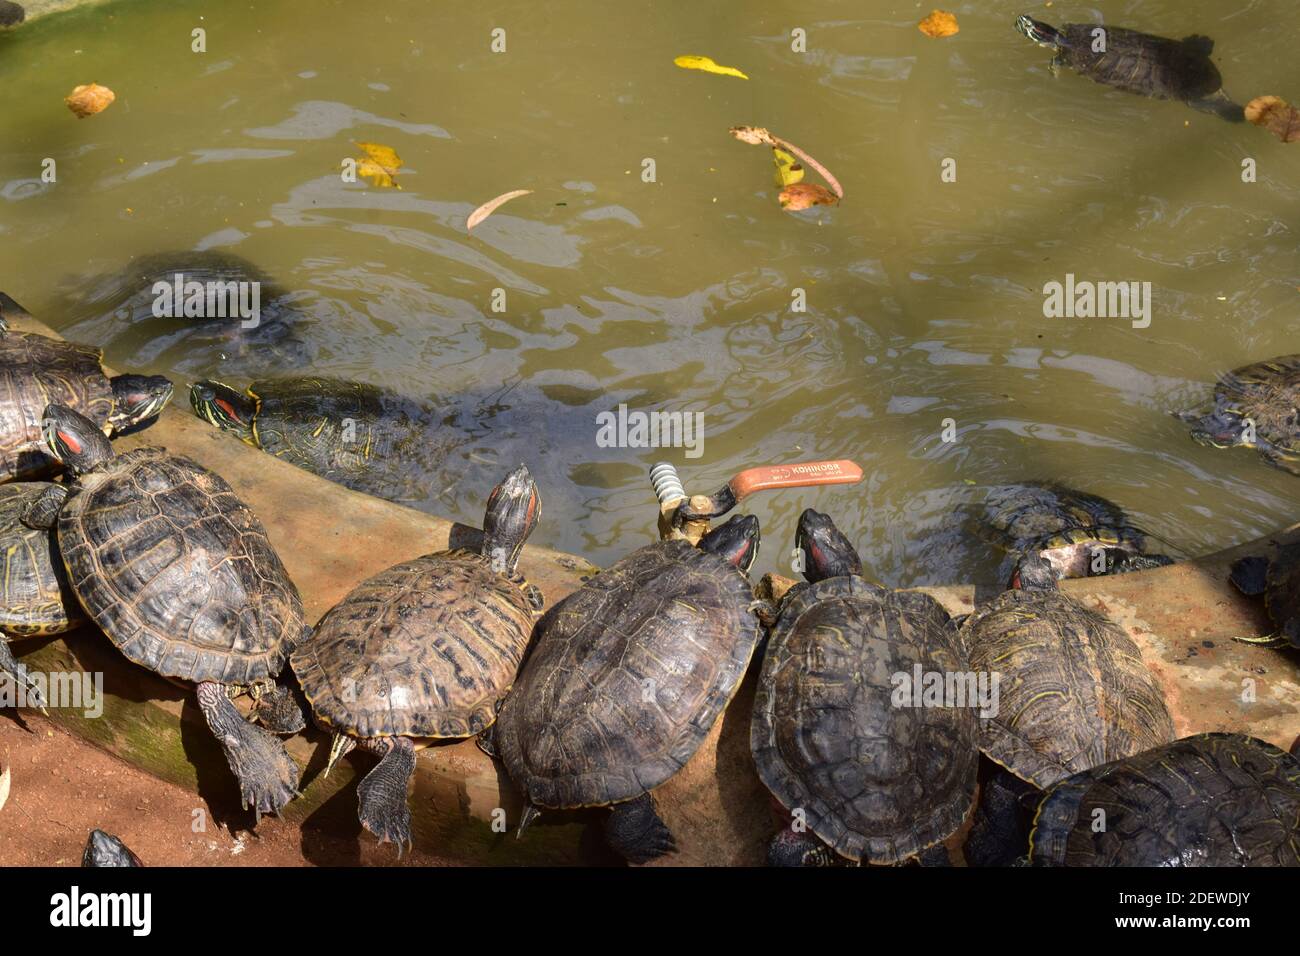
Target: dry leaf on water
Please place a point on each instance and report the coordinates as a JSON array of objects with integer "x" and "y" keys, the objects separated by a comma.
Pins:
[
  {"x": 939, "y": 24},
  {"x": 1276, "y": 115},
  {"x": 755, "y": 135},
  {"x": 379, "y": 164},
  {"x": 89, "y": 99},
  {"x": 5, "y": 778},
  {"x": 491, "y": 206},
  {"x": 788, "y": 170},
  {"x": 708, "y": 66},
  {"x": 806, "y": 195}
]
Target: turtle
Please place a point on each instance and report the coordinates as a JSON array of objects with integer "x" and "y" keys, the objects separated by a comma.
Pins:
[
  {"x": 1277, "y": 579},
  {"x": 11, "y": 14},
  {"x": 1256, "y": 406},
  {"x": 1079, "y": 533},
  {"x": 1216, "y": 799},
  {"x": 625, "y": 679},
  {"x": 1072, "y": 694},
  {"x": 872, "y": 776},
  {"x": 35, "y": 599},
  {"x": 104, "y": 850},
  {"x": 1140, "y": 63},
  {"x": 36, "y": 370},
  {"x": 358, "y": 435},
  {"x": 180, "y": 575},
  {"x": 424, "y": 651}
]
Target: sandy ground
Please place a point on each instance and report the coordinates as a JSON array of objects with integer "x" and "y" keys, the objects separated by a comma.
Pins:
[{"x": 62, "y": 788}]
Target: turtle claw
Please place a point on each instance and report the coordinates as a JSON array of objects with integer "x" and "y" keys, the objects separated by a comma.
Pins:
[
  {"x": 268, "y": 777},
  {"x": 381, "y": 796}
]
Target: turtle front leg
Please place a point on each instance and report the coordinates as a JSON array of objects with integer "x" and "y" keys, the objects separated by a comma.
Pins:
[
  {"x": 9, "y": 665},
  {"x": 383, "y": 809},
  {"x": 635, "y": 831},
  {"x": 43, "y": 512},
  {"x": 268, "y": 777}
]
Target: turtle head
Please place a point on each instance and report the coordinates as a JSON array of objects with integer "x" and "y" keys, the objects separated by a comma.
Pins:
[
  {"x": 512, "y": 512},
  {"x": 1041, "y": 33},
  {"x": 826, "y": 552},
  {"x": 1034, "y": 573},
  {"x": 736, "y": 541},
  {"x": 223, "y": 406},
  {"x": 1221, "y": 429},
  {"x": 104, "y": 849},
  {"x": 73, "y": 439},
  {"x": 138, "y": 398}
]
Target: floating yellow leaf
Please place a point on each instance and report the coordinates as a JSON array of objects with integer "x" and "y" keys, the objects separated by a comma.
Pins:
[
  {"x": 788, "y": 170},
  {"x": 939, "y": 24},
  {"x": 89, "y": 99},
  {"x": 491, "y": 206},
  {"x": 1276, "y": 115},
  {"x": 806, "y": 195},
  {"x": 708, "y": 66},
  {"x": 379, "y": 165}
]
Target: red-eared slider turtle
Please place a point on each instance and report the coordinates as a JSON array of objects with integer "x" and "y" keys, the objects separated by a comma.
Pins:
[
  {"x": 1072, "y": 693},
  {"x": 876, "y": 780},
  {"x": 1138, "y": 63},
  {"x": 361, "y": 436},
  {"x": 180, "y": 575},
  {"x": 1278, "y": 580},
  {"x": 1080, "y": 534},
  {"x": 1256, "y": 406},
  {"x": 104, "y": 849},
  {"x": 625, "y": 680},
  {"x": 1209, "y": 800},
  {"x": 36, "y": 371},
  {"x": 422, "y": 652},
  {"x": 35, "y": 599}
]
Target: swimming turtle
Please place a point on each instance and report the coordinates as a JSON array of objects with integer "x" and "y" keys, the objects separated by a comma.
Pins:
[
  {"x": 1210, "y": 800},
  {"x": 1256, "y": 406},
  {"x": 35, "y": 598},
  {"x": 11, "y": 14},
  {"x": 358, "y": 435},
  {"x": 36, "y": 370},
  {"x": 1138, "y": 63},
  {"x": 422, "y": 652},
  {"x": 1080, "y": 534},
  {"x": 104, "y": 849},
  {"x": 1278, "y": 580},
  {"x": 627, "y": 676},
  {"x": 874, "y": 777},
  {"x": 180, "y": 574},
  {"x": 1072, "y": 693}
]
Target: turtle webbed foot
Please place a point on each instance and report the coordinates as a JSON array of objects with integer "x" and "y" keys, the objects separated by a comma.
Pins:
[
  {"x": 268, "y": 777},
  {"x": 9, "y": 665},
  {"x": 381, "y": 795},
  {"x": 280, "y": 711},
  {"x": 636, "y": 833}
]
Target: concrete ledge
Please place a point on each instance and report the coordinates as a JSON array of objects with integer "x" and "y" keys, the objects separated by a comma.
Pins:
[{"x": 1183, "y": 617}]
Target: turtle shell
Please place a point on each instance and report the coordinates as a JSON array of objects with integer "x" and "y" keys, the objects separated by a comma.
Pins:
[
  {"x": 425, "y": 648},
  {"x": 877, "y": 782},
  {"x": 1268, "y": 394},
  {"x": 34, "y": 596},
  {"x": 1141, "y": 63},
  {"x": 1073, "y": 690},
  {"x": 36, "y": 371},
  {"x": 1210, "y": 800},
  {"x": 627, "y": 676},
  {"x": 178, "y": 571}
]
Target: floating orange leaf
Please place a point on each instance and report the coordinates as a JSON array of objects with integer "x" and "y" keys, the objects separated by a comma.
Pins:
[
  {"x": 939, "y": 24},
  {"x": 799, "y": 196},
  {"x": 492, "y": 205},
  {"x": 89, "y": 99},
  {"x": 1276, "y": 115}
]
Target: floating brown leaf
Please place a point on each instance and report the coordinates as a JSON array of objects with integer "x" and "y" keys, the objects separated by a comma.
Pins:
[
  {"x": 492, "y": 205},
  {"x": 939, "y": 24},
  {"x": 89, "y": 99},
  {"x": 799, "y": 196},
  {"x": 756, "y": 135},
  {"x": 1276, "y": 115}
]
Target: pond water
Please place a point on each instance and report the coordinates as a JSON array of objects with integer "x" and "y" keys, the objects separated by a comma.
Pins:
[{"x": 924, "y": 298}]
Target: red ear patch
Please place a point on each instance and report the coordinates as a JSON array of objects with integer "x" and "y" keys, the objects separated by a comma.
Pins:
[
  {"x": 73, "y": 445},
  {"x": 229, "y": 409}
]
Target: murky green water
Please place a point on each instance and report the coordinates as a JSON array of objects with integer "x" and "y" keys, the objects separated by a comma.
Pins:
[{"x": 924, "y": 298}]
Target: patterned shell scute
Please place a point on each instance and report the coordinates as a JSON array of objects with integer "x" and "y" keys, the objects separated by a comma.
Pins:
[
  {"x": 1030, "y": 515},
  {"x": 32, "y": 580},
  {"x": 178, "y": 571},
  {"x": 1073, "y": 690},
  {"x": 627, "y": 677},
  {"x": 34, "y": 372},
  {"x": 1267, "y": 393},
  {"x": 1142, "y": 63},
  {"x": 425, "y": 648},
  {"x": 1210, "y": 800},
  {"x": 878, "y": 782}
]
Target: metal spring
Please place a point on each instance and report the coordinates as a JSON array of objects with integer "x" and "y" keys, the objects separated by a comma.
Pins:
[{"x": 668, "y": 487}]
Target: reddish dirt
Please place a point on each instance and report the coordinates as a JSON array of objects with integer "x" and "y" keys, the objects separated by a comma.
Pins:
[{"x": 62, "y": 788}]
